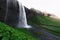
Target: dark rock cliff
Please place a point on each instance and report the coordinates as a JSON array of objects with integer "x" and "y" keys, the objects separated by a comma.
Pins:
[
  {"x": 9, "y": 11},
  {"x": 2, "y": 9}
]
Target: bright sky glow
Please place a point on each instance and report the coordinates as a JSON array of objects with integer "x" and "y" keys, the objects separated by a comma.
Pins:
[{"x": 50, "y": 6}]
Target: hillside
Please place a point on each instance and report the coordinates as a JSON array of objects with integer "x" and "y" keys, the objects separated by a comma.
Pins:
[
  {"x": 10, "y": 33},
  {"x": 47, "y": 23}
]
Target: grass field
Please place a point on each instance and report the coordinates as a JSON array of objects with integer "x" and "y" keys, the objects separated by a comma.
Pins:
[
  {"x": 10, "y": 33},
  {"x": 46, "y": 22}
]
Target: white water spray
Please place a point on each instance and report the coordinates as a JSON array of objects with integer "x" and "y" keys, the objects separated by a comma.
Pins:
[{"x": 22, "y": 17}]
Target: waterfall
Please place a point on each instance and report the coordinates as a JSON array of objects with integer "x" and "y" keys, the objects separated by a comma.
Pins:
[
  {"x": 22, "y": 17},
  {"x": 14, "y": 18}
]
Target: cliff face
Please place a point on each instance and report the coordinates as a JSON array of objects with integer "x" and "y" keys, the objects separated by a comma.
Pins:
[
  {"x": 2, "y": 9},
  {"x": 33, "y": 12},
  {"x": 9, "y": 11},
  {"x": 36, "y": 12},
  {"x": 11, "y": 17}
]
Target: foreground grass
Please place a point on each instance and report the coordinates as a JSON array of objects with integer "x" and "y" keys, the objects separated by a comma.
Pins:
[{"x": 9, "y": 33}]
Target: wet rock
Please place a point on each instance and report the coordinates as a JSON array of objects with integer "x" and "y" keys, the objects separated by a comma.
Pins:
[{"x": 9, "y": 11}]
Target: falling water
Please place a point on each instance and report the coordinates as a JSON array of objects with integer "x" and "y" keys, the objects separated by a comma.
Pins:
[{"x": 22, "y": 17}]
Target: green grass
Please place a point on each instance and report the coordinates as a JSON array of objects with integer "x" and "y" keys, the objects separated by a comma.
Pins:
[
  {"x": 47, "y": 23},
  {"x": 52, "y": 29},
  {"x": 10, "y": 33}
]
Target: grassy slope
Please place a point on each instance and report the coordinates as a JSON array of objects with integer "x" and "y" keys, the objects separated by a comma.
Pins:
[
  {"x": 9, "y": 33},
  {"x": 47, "y": 23}
]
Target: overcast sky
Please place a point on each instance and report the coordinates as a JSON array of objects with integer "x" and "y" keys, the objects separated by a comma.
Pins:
[{"x": 50, "y": 6}]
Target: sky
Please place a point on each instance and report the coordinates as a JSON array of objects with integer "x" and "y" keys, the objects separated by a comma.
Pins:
[{"x": 50, "y": 6}]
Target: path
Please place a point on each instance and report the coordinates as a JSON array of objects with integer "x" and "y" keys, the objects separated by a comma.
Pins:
[{"x": 44, "y": 34}]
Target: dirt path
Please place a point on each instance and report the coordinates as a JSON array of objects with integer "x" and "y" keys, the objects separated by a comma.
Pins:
[{"x": 44, "y": 34}]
